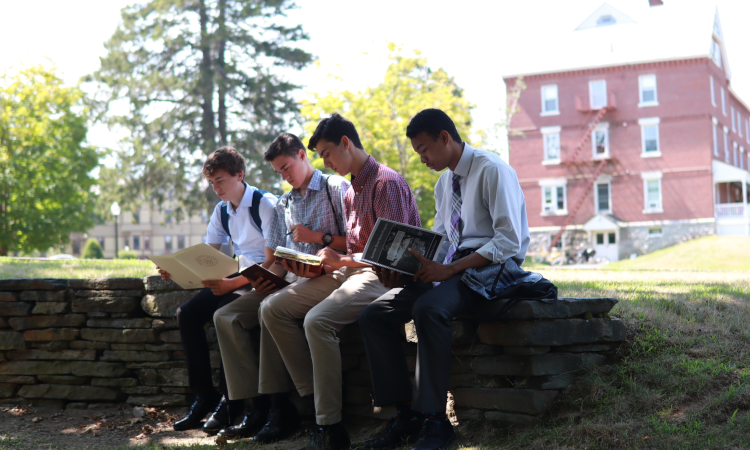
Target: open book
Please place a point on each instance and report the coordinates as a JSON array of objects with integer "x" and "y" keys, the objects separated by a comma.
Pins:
[
  {"x": 315, "y": 262},
  {"x": 190, "y": 266},
  {"x": 389, "y": 240}
]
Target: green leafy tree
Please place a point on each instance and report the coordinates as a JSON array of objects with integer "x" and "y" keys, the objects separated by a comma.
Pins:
[
  {"x": 92, "y": 250},
  {"x": 381, "y": 114},
  {"x": 191, "y": 75},
  {"x": 45, "y": 181}
]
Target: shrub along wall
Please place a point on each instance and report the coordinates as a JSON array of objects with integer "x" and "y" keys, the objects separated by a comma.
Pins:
[{"x": 88, "y": 343}]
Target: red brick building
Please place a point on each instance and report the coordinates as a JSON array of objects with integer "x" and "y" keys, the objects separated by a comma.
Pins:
[{"x": 629, "y": 147}]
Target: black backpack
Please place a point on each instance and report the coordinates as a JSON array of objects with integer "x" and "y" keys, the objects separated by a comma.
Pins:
[{"x": 254, "y": 211}]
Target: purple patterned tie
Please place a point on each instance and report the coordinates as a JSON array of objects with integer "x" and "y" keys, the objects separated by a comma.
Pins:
[{"x": 454, "y": 233}]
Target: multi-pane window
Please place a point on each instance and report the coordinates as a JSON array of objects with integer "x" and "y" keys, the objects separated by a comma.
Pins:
[
  {"x": 742, "y": 157},
  {"x": 147, "y": 242},
  {"x": 652, "y": 197},
  {"x": 180, "y": 242},
  {"x": 554, "y": 196},
  {"x": 747, "y": 130},
  {"x": 649, "y": 136},
  {"x": 168, "y": 242},
  {"x": 549, "y": 100},
  {"x": 726, "y": 145},
  {"x": 136, "y": 242},
  {"x": 602, "y": 197},
  {"x": 598, "y": 94},
  {"x": 734, "y": 123},
  {"x": 723, "y": 101},
  {"x": 739, "y": 123},
  {"x": 735, "y": 148},
  {"x": 551, "y": 137},
  {"x": 600, "y": 141},
  {"x": 716, "y": 136},
  {"x": 713, "y": 91},
  {"x": 647, "y": 88}
]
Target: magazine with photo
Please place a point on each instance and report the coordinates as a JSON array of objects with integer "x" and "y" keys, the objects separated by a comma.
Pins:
[{"x": 389, "y": 241}]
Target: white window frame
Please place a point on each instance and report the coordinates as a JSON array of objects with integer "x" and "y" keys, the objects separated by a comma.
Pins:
[
  {"x": 726, "y": 145},
  {"x": 652, "y": 176},
  {"x": 608, "y": 182},
  {"x": 735, "y": 148},
  {"x": 591, "y": 94},
  {"x": 739, "y": 122},
  {"x": 557, "y": 100},
  {"x": 546, "y": 131},
  {"x": 659, "y": 234},
  {"x": 747, "y": 130},
  {"x": 641, "y": 102},
  {"x": 734, "y": 120},
  {"x": 553, "y": 184},
  {"x": 714, "y": 125},
  {"x": 713, "y": 90},
  {"x": 742, "y": 158},
  {"x": 601, "y": 126},
  {"x": 649, "y": 122},
  {"x": 723, "y": 101}
]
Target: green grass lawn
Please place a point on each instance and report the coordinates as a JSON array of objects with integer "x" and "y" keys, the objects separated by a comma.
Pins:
[
  {"x": 88, "y": 268},
  {"x": 706, "y": 253}
]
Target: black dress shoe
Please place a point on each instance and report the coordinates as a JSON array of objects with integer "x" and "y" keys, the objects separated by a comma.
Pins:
[
  {"x": 201, "y": 406},
  {"x": 283, "y": 420},
  {"x": 329, "y": 437},
  {"x": 226, "y": 414},
  {"x": 399, "y": 431},
  {"x": 436, "y": 434},
  {"x": 251, "y": 424}
]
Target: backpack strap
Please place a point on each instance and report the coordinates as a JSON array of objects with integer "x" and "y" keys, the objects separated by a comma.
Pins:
[
  {"x": 225, "y": 218},
  {"x": 335, "y": 215},
  {"x": 255, "y": 208}
]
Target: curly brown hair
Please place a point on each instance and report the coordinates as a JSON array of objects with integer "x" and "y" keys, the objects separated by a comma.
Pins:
[{"x": 224, "y": 158}]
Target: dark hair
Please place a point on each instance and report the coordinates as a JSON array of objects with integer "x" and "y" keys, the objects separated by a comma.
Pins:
[
  {"x": 333, "y": 129},
  {"x": 224, "y": 158},
  {"x": 432, "y": 121},
  {"x": 285, "y": 144}
]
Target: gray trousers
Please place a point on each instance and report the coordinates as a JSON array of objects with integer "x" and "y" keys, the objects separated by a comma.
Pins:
[{"x": 432, "y": 310}]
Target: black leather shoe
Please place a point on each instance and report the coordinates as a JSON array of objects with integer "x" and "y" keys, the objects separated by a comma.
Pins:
[
  {"x": 399, "y": 432},
  {"x": 226, "y": 414},
  {"x": 201, "y": 406},
  {"x": 251, "y": 424},
  {"x": 329, "y": 437},
  {"x": 436, "y": 434},
  {"x": 283, "y": 420}
]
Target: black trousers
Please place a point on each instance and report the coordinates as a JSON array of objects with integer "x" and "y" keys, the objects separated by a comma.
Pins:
[
  {"x": 192, "y": 317},
  {"x": 432, "y": 309}
]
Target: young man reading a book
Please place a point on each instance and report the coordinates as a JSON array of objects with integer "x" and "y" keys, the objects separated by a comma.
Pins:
[
  {"x": 481, "y": 208},
  {"x": 307, "y": 219},
  {"x": 246, "y": 221},
  {"x": 330, "y": 301}
]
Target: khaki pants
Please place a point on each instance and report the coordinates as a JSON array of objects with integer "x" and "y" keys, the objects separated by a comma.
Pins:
[
  {"x": 327, "y": 303},
  {"x": 233, "y": 323}
]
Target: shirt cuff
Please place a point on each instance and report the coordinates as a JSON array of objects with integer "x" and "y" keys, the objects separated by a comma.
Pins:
[
  {"x": 223, "y": 240},
  {"x": 489, "y": 251}
]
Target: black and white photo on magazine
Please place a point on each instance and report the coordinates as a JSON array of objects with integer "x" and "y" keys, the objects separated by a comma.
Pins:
[{"x": 389, "y": 241}]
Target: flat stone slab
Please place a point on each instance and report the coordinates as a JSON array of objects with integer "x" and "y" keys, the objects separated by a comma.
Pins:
[
  {"x": 119, "y": 323},
  {"x": 526, "y": 401},
  {"x": 539, "y": 333},
  {"x": 15, "y": 309},
  {"x": 109, "y": 294},
  {"x": 165, "y": 305},
  {"x": 17, "y": 379},
  {"x": 62, "y": 379},
  {"x": 64, "y": 355},
  {"x": 106, "y": 304},
  {"x": 63, "y": 392},
  {"x": 11, "y": 340},
  {"x": 36, "y": 322},
  {"x": 52, "y": 334},
  {"x": 98, "y": 369},
  {"x": 107, "y": 284},
  {"x": 159, "y": 400},
  {"x": 163, "y": 377},
  {"x": 43, "y": 296},
  {"x": 120, "y": 355},
  {"x": 7, "y": 390},
  {"x": 8, "y": 296},
  {"x": 546, "y": 382},
  {"x": 130, "y": 336},
  {"x": 33, "y": 284},
  {"x": 155, "y": 283},
  {"x": 114, "y": 382},
  {"x": 34, "y": 368},
  {"x": 50, "y": 308},
  {"x": 563, "y": 308},
  {"x": 535, "y": 365}
]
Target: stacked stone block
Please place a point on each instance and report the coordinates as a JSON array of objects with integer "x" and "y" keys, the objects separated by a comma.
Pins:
[{"x": 103, "y": 341}]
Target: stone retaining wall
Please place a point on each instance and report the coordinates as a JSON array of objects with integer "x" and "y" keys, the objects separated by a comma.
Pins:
[{"x": 89, "y": 343}]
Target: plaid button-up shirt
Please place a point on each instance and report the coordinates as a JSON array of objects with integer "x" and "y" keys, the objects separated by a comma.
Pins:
[
  {"x": 378, "y": 191},
  {"x": 314, "y": 210}
]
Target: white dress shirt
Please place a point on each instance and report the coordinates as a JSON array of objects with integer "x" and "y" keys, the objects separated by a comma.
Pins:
[
  {"x": 493, "y": 208},
  {"x": 248, "y": 240}
]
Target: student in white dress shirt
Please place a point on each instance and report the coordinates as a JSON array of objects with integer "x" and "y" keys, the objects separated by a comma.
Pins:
[{"x": 480, "y": 206}]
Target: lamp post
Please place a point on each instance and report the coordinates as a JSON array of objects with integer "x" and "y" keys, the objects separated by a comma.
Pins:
[{"x": 115, "y": 210}]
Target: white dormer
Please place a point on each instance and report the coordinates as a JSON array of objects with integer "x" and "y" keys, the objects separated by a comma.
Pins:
[
  {"x": 605, "y": 16},
  {"x": 717, "y": 50}
]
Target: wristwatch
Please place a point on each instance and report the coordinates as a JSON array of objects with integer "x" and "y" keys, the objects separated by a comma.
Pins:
[{"x": 327, "y": 240}]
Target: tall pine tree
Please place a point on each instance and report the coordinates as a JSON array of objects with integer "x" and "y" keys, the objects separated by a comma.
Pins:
[{"x": 191, "y": 75}]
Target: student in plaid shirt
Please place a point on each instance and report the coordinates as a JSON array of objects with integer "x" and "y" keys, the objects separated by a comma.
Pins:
[
  {"x": 308, "y": 218},
  {"x": 334, "y": 299}
]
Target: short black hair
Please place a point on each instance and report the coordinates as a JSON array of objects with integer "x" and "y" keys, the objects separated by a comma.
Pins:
[
  {"x": 333, "y": 129},
  {"x": 285, "y": 144},
  {"x": 432, "y": 121}
]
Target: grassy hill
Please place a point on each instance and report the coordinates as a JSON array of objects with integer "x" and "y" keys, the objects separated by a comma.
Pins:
[{"x": 707, "y": 253}]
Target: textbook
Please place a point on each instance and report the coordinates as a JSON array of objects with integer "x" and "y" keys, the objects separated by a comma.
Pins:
[
  {"x": 315, "y": 262},
  {"x": 389, "y": 240},
  {"x": 257, "y": 271},
  {"x": 190, "y": 266}
]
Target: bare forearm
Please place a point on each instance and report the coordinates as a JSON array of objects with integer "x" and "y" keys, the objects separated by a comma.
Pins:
[
  {"x": 468, "y": 262},
  {"x": 238, "y": 282}
]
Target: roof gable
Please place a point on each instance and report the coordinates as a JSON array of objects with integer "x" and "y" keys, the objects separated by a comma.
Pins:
[{"x": 605, "y": 15}]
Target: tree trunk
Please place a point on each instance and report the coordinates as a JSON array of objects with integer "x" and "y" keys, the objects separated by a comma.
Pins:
[
  {"x": 206, "y": 86},
  {"x": 222, "y": 79}
]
